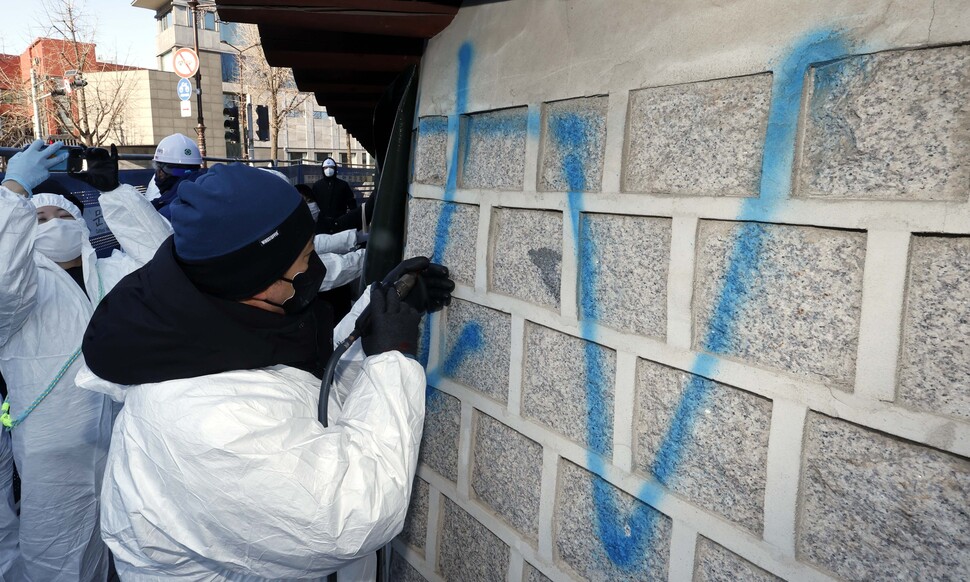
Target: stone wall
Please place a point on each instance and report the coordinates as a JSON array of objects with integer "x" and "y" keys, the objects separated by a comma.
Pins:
[{"x": 713, "y": 307}]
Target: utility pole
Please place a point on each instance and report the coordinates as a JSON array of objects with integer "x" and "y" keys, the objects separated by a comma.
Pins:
[
  {"x": 200, "y": 128},
  {"x": 250, "y": 144},
  {"x": 349, "y": 154},
  {"x": 33, "y": 100}
]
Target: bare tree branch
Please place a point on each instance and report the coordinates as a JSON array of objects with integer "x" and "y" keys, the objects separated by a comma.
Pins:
[
  {"x": 89, "y": 114},
  {"x": 273, "y": 86}
]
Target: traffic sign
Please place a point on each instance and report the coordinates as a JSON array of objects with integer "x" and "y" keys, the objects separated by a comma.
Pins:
[
  {"x": 185, "y": 61},
  {"x": 184, "y": 89},
  {"x": 186, "y": 108}
]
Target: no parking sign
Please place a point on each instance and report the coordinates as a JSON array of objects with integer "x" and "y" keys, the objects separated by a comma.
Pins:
[{"x": 185, "y": 62}]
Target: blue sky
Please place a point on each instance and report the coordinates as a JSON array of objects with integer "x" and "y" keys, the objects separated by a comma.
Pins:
[{"x": 123, "y": 33}]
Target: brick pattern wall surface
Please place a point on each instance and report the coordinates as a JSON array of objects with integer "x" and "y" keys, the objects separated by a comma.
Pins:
[
  {"x": 709, "y": 329},
  {"x": 459, "y": 254},
  {"x": 716, "y": 564}
]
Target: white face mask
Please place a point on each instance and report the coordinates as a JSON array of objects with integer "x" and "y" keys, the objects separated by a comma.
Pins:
[
  {"x": 59, "y": 239},
  {"x": 314, "y": 210},
  {"x": 329, "y": 172},
  {"x": 152, "y": 192}
]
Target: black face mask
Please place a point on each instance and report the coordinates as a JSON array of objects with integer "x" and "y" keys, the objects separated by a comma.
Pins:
[
  {"x": 166, "y": 183},
  {"x": 306, "y": 285}
]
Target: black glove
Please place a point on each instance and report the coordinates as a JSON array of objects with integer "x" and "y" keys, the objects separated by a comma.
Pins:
[
  {"x": 102, "y": 170},
  {"x": 432, "y": 291},
  {"x": 393, "y": 324}
]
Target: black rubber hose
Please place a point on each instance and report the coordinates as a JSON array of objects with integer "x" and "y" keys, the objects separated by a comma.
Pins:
[
  {"x": 330, "y": 370},
  {"x": 402, "y": 287}
]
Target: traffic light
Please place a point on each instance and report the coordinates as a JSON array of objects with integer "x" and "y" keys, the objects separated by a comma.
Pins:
[
  {"x": 262, "y": 123},
  {"x": 68, "y": 85},
  {"x": 231, "y": 124}
]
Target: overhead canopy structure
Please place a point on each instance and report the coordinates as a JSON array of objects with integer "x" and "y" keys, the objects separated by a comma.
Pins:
[{"x": 346, "y": 52}]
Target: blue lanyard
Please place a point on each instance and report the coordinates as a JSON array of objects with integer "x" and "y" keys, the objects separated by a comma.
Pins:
[{"x": 9, "y": 423}]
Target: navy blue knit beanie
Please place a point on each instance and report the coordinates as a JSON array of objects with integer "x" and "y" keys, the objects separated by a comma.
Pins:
[{"x": 238, "y": 229}]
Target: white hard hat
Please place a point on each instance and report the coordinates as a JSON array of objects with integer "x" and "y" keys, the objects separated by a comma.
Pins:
[
  {"x": 329, "y": 163},
  {"x": 178, "y": 149}
]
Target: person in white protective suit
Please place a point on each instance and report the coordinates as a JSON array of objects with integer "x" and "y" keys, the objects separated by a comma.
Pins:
[
  {"x": 50, "y": 283},
  {"x": 219, "y": 469}
]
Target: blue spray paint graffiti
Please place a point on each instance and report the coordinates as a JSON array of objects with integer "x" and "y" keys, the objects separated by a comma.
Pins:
[
  {"x": 626, "y": 538},
  {"x": 471, "y": 339}
]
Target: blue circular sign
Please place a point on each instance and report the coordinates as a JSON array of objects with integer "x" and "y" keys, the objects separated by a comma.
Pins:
[{"x": 184, "y": 89}]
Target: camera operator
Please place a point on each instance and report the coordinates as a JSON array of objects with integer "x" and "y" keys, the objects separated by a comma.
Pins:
[{"x": 50, "y": 283}]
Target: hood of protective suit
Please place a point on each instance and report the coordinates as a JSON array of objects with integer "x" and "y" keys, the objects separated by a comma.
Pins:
[
  {"x": 151, "y": 191},
  {"x": 156, "y": 326},
  {"x": 58, "y": 241}
]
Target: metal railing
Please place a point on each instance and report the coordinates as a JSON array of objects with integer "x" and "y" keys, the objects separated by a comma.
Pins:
[{"x": 361, "y": 178}]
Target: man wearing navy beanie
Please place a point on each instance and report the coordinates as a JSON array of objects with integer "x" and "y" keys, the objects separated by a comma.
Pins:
[{"x": 218, "y": 467}]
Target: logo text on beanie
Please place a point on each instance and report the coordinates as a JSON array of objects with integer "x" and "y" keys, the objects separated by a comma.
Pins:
[{"x": 266, "y": 240}]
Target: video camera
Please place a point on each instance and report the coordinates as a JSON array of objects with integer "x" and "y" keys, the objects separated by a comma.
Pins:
[{"x": 76, "y": 161}]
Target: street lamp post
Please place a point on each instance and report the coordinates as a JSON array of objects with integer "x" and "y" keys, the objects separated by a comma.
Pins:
[{"x": 200, "y": 128}]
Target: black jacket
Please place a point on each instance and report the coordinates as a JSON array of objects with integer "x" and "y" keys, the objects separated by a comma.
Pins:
[
  {"x": 155, "y": 326},
  {"x": 334, "y": 197}
]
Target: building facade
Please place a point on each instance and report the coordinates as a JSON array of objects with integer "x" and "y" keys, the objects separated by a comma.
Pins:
[{"x": 307, "y": 133}]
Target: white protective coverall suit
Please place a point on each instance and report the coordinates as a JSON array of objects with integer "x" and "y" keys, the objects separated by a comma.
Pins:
[
  {"x": 60, "y": 448},
  {"x": 230, "y": 477}
]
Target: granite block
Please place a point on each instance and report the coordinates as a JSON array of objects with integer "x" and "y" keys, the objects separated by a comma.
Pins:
[
  {"x": 469, "y": 552},
  {"x": 874, "y": 507},
  {"x": 623, "y": 272},
  {"x": 416, "y": 523},
  {"x": 439, "y": 443},
  {"x": 934, "y": 368},
  {"x": 506, "y": 473},
  {"x": 891, "y": 126},
  {"x": 493, "y": 149},
  {"x": 402, "y": 571},
  {"x": 703, "y": 440},
  {"x": 714, "y": 563},
  {"x": 449, "y": 228},
  {"x": 604, "y": 534},
  {"x": 573, "y": 145},
  {"x": 525, "y": 258},
  {"x": 430, "y": 152},
  {"x": 477, "y": 345},
  {"x": 698, "y": 139},
  {"x": 779, "y": 296},
  {"x": 531, "y": 574},
  {"x": 567, "y": 385}
]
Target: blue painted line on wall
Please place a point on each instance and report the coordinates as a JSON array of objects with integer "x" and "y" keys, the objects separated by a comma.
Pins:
[
  {"x": 432, "y": 125},
  {"x": 746, "y": 254},
  {"x": 626, "y": 538},
  {"x": 623, "y": 536},
  {"x": 534, "y": 123},
  {"x": 471, "y": 339}
]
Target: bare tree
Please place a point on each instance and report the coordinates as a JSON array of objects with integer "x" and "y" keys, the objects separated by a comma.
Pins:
[
  {"x": 92, "y": 114},
  {"x": 273, "y": 86},
  {"x": 16, "y": 120}
]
